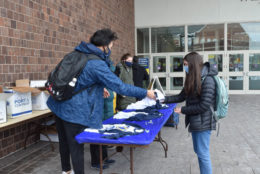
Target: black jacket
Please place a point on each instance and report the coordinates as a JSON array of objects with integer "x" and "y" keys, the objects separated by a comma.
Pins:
[
  {"x": 197, "y": 109},
  {"x": 139, "y": 74}
]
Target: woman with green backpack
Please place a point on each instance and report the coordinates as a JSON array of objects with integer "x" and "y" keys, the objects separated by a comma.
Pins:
[{"x": 199, "y": 92}]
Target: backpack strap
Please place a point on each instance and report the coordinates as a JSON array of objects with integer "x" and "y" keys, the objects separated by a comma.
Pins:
[{"x": 88, "y": 57}]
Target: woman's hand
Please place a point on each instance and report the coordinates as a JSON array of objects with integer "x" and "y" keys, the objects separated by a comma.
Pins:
[
  {"x": 106, "y": 94},
  {"x": 177, "y": 110}
]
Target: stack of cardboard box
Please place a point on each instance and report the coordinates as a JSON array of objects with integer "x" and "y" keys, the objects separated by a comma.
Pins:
[{"x": 21, "y": 100}]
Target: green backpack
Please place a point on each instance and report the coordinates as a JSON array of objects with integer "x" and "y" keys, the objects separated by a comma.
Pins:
[{"x": 221, "y": 99}]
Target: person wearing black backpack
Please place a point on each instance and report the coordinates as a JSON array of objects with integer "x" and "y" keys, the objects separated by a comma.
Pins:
[
  {"x": 199, "y": 92},
  {"x": 85, "y": 107}
]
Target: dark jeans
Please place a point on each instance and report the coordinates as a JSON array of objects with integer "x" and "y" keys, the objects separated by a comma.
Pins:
[
  {"x": 94, "y": 151},
  {"x": 69, "y": 147}
]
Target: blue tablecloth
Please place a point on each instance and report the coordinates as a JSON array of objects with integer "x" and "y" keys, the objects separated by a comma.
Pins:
[{"x": 152, "y": 128}]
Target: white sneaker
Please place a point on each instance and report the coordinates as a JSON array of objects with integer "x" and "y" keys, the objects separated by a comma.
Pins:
[{"x": 69, "y": 172}]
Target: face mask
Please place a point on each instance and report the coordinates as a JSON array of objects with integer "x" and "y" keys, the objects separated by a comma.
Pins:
[
  {"x": 129, "y": 64},
  {"x": 107, "y": 54},
  {"x": 186, "y": 69}
]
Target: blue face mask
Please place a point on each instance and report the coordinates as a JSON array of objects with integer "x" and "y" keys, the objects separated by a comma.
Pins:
[
  {"x": 107, "y": 54},
  {"x": 186, "y": 69},
  {"x": 129, "y": 64}
]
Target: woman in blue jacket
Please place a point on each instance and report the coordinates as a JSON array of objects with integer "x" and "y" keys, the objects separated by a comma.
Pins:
[
  {"x": 85, "y": 109},
  {"x": 199, "y": 94}
]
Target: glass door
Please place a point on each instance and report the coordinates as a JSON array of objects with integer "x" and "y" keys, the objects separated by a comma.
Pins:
[
  {"x": 158, "y": 68},
  {"x": 217, "y": 60},
  {"x": 176, "y": 73},
  {"x": 236, "y": 79},
  {"x": 239, "y": 69},
  {"x": 253, "y": 73}
]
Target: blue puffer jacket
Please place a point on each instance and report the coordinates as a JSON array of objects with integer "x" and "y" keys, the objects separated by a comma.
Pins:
[{"x": 86, "y": 107}]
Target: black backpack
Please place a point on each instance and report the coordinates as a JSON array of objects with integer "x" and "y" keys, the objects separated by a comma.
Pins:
[{"x": 62, "y": 80}]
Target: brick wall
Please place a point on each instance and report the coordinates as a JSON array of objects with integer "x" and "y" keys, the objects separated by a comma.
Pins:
[
  {"x": 13, "y": 139},
  {"x": 36, "y": 34}
]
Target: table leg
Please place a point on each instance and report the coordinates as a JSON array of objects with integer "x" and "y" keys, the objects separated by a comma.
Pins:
[
  {"x": 100, "y": 159},
  {"x": 131, "y": 160},
  {"x": 163, "y": 143}
]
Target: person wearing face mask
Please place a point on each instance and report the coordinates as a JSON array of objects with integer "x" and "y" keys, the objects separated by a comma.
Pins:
[
  {"x": 199, "y": 92},
  {"x": 85, "y": 109},
  {"x": 124, "y": 71}
]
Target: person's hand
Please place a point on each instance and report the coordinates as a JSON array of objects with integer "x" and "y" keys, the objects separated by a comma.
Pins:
[
  {"x": 150, "y": 94},
  {"x": 177, "y": 110},
  {"x": 106, "y": 93}
]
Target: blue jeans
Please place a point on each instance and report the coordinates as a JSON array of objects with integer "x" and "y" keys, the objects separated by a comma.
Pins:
[{"x": 201, "y": 141}]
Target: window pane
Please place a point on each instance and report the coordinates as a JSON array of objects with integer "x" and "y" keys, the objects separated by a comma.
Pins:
[
  {"x": 176, "y": 83},
  {"x": 176, "y": 64},
  {"x": 206, "y": 37},
  {"x": 168, "y": 39},
  {"x": 163, "y": 83},
  {"x": 254, "y": 62},
  {"x": 216, "y": 60},
  {"x": 159, "y": 64},
  {"x": 236, "y": 83},
  {"x": 236, "y": 62},
  {"x": 254, "y": 82},
  {"x": 243, "y": 36},
  {"x": 143, "y": 40}
]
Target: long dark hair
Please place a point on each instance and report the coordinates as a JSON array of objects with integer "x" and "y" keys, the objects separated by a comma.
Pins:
[{"x": 192, "y": 84}]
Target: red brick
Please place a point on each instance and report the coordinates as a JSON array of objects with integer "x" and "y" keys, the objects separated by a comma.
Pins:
[
  {"x": 1, "y": 68},
  {"x": 10, "y": 14},
  {"x": 5, "y": 69},
  {"x": 17, "y": 68},
  {"x": 13, "y": 24},
  {"x": 2, "y": 23},
  {"x": 2, "y": 60},
  {"x": 14, "y": 60},
  {"x": 11, "y": 68}
]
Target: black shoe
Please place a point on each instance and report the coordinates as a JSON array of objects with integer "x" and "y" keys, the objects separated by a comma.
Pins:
[
  {"x": 109, "y": 161},
  {"x": 97, "y": 166}
]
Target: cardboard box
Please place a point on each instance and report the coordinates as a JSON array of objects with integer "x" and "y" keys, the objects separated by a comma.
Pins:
[
  {"x": 3, "y": 98},
  {"x": 20, "y": 102},
  {"x": 22, "y": 83},
  {"x": 39, "y": 101},
  {"x": 39, "y": 98}
]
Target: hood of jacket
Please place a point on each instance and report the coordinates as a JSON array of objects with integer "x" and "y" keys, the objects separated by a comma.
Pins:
[
  {"x": 208, "y": 70},
  {"x": 89, "y": 48}
]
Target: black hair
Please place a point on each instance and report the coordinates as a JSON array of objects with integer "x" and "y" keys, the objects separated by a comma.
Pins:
[
  {"x": 135, "y": 59},
  {"x": 125, "y": 56},
  {"x": 103, "y": 37}
]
